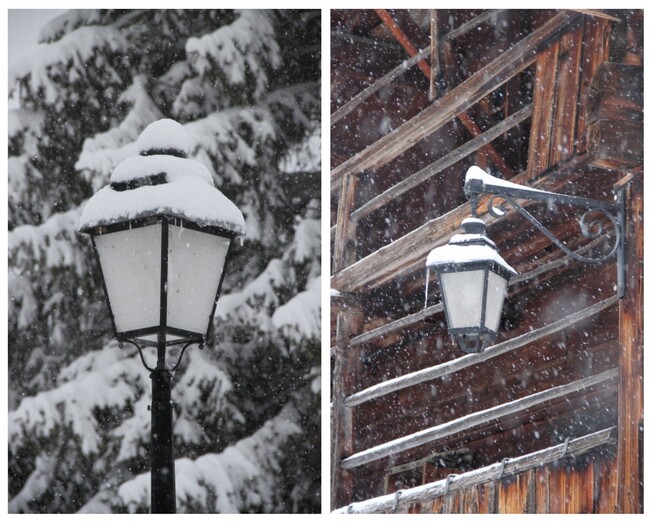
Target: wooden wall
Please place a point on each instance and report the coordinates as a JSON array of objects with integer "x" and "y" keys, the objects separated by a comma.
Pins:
[{"x": 564, "y": 147}]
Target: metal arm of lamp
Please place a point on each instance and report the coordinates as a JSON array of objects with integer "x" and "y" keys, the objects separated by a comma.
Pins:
[{"x": 479, "y": 183}]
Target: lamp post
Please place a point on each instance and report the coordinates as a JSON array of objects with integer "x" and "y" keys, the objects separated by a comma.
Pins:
[
  {"x": 162, "y": 234},
  {"x": 472, "y": 275}
]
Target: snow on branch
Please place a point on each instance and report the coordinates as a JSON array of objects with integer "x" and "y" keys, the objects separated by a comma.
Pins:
[
  {"x": 243, "y": 51},
  {"x": 239, "y": 479},
  {"x": 74, "y": 50},
  {"x": 304, "y": 156},
  {"x": 101, "y": 153},
  {"x": 73, "y": 402},
  {"x": 300, "y": 316},
  {"x": 54, "y": 242}
]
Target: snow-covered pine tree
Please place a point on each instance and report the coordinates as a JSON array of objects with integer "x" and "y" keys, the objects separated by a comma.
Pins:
[{"x": 245, "y": 85}]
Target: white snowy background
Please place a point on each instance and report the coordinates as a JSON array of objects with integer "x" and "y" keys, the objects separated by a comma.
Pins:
[{"x": 245, "y": 86}]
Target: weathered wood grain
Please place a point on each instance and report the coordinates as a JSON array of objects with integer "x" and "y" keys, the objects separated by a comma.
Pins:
[{"x": 437, "y": 489}]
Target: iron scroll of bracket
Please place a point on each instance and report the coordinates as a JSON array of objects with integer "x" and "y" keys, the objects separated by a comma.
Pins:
[{"x": 485, "y": 184}]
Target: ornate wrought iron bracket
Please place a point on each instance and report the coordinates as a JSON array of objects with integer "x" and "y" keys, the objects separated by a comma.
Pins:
[{"x": 479, "y": 183}]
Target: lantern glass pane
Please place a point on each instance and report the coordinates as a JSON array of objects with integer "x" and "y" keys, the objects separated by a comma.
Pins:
[
  {"x": 496, "y": 290},
  {"x": 463, "y": 293},
  {"x": 195, "y": 264},
  {"x": 131, "y": 266}
]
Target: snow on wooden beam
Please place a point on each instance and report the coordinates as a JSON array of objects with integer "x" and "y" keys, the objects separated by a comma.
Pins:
[
  {"x": 449, "y": 367},
  {"x": 401, "y": 323},
  {"x": 494, "y": 472},
  {"x": 443, "y": 163},
  {"x": 473, "y": 420},
  {"x": 456, "y": 101}
]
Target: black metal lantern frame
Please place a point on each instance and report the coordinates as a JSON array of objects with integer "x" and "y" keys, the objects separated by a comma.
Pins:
[
  {"x": 162, "y": 330},
  {"x": 471, "y": 339},
  {"x": 614, "y": 212}
]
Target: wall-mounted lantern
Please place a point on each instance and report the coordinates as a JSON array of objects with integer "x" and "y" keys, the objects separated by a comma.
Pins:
[{"x": 473, "y": 277}]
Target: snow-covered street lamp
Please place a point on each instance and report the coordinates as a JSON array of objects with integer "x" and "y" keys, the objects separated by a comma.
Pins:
[
  {"x": 162, "y": 234},
  {"x": 473, "y": 280},
  {"x": 473, "y": 277}
]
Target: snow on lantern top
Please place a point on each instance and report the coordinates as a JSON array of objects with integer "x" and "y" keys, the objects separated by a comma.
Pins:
[
  {"x": 163, "y": 137},
  {"x": 471, "y": 246},
  {"x": 162, "y": 181}
]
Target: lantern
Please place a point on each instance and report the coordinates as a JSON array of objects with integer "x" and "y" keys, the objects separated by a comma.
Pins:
[{"x": 473, "y": 280}]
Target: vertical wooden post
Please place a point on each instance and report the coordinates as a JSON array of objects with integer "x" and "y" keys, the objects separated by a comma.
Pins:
[
  {"x": 349, "y": 318},
  {"x": 630, "y": 391},
  {"x": 344, "y": 250},
  {"x": 434, "y": 54}
]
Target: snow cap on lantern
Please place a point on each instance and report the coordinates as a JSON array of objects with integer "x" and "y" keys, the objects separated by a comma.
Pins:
[
  {"x": 473, "y": 280},
  {"x": 162, "y": 233},
  {"x": 161, "y": 180}
]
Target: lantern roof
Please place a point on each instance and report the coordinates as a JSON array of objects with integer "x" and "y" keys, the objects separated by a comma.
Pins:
[
  {"x": 472, "y": 245},
  {"x": 162, "y": 181}
]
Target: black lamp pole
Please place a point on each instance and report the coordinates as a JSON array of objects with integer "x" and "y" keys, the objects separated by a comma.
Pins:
[{"x": 163, "y": 495}]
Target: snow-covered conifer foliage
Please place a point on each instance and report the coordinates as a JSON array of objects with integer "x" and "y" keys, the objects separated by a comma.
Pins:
[{"x": 245, "y": 86}]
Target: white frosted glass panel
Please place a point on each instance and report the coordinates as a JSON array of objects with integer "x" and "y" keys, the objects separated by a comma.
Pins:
[
  {"x": 496, "y": 290},
  {"x": 463, "y": 294},
  {"x": 195, "y": 264},
  {"x": 131, "y": 265}
]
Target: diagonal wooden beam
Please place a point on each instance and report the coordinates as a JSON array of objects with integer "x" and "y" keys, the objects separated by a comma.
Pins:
[
  {"x": 458, "y": 100},
  {"x": 474, "y": 419}
]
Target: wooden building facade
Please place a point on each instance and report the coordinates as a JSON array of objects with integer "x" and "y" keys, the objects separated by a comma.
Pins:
[{"x": 549, "y": 419}]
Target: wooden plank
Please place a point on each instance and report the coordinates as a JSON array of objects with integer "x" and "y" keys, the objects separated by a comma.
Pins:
[
  {"x": 347, "y": 360},
  {"x": 594, "y": 52},
  {"x": 459, "y": 99},
  {"x": 543, "y": 490},
  {"x": 434, "y": 54},
  {"x": 344, "y": 251},
  {"x": 402, "y": 68},
  {"x": 473, "y": 420},
  {"x": 449, "y": 367},
  {"x": 567, "y": 97},
  {"x": 544, "y": 104},
  {"x": 630, "y": 397},
  {"x": 412, "y": 181},
  {"x": 484, "y": 475}
]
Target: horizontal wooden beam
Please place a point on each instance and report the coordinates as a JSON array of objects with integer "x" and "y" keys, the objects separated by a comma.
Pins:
[
  {"x": 494, "y": 472},
  {"x": 459, "y": 99},
  {"x": 449, "y": 367},
  {"x": 446, "y": 161},
  {"x": 473, "y": 420}
]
